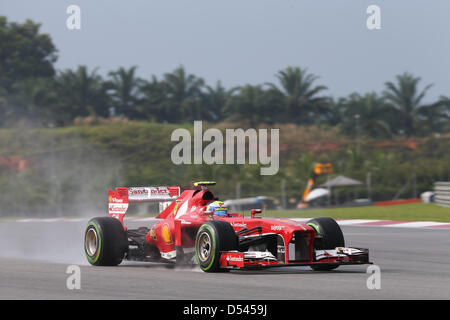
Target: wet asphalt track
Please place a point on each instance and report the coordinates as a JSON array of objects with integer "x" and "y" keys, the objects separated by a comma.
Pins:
[{"x": 415, "y": 264}]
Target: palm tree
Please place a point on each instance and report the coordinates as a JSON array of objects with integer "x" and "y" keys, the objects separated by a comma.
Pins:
[
  {"x": 154, "y": 100},
  {"x": 253, "y": 105},
  {"x": 436, "y": 116},
  {"x": 405, "y": 97},
  {"x": 301, "y": 100},
  {"x": 369, "y": 114},
  {"x": 82, "y": 93},
  {"x": 215, "y": 101},
  {"x": 336, "y": 107},
  {"x": 183, "y": 92},
  {"x": 124, "y": 88}
]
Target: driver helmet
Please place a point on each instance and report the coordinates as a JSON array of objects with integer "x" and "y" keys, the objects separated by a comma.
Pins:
[{"x": 218, "y": 208}]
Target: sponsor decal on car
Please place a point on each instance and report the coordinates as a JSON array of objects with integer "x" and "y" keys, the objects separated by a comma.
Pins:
[
  {"x": 137, "y": 191},
  {"x": 159, "y": 190},
  {"x": 152, "y": 193},
  {"x": 169, "y": 255},
  {"x": 239, "y": 224},
  {"x": 118, "y": 208},
  {"x": 235, "y": 259},
  {"x": 348, "y": 251},
  {"x": 232, "y": 259},
  {"x": 277, "y": 228},
  {"x": 115, "y": 200}
]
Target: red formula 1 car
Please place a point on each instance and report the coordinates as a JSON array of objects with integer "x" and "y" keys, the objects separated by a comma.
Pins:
[{"x": 184, "y": 229}]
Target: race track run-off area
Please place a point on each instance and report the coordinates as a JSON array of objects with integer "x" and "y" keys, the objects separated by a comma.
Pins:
[{"x": 413, "y": 259}]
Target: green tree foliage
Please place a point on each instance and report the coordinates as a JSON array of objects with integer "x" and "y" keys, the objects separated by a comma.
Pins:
[
  {"x": 253, "y": 104},
  {"x": 33, "y": 100},
  {"x": 32, "y": 92},
  {"x": 406, "y": 97},
  {"x": 368, "y": 115},
  {"x": 301, "y": 101},
  {"x": 435, "y": 117},
  {"x": 153, "y": 100},
  {"x": 81, "y": 93},
  {"x": 124, "y": 92},
  {"x": 214, "y": 102},
  {"x": 182, "y": 96},
  {"x": 24, "y": 53}
]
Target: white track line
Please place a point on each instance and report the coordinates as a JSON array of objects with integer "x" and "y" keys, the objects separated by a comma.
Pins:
[
  {"x": 417, "y": 224},
  {"x": 354, "y": 221}
]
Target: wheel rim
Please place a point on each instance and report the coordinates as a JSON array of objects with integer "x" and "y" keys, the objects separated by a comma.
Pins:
[
  {"x": 91, "y": 242},
  {"x": 204, "y": 246}
]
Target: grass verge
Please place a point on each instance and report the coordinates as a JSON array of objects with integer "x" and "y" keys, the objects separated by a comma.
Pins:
[{"x": 403, "y": 212}]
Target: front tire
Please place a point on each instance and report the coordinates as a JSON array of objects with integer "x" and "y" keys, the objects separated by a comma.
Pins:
[
  {"x": 212, "y": 238},
  {"x": 332, "y": 237},
  {"x": 105, "y": 241}
]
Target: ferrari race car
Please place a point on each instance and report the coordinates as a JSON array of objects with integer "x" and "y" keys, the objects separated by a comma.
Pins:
[{"x": 185, "y": 229}]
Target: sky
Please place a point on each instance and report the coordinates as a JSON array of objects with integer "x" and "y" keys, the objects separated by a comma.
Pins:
[{"x": 248, "y": 41}]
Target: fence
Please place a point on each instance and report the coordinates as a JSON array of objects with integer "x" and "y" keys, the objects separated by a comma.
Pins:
[{"x": 442, "y": 193}]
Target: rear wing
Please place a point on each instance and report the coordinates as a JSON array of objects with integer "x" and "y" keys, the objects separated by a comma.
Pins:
[{"x": 119, "y": 199}]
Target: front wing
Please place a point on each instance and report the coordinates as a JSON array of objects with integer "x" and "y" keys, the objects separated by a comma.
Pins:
[{"x": 255, "y": 259}]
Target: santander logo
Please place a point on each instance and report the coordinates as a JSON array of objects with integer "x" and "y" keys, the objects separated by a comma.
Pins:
[{"x": 235, "y": 259}]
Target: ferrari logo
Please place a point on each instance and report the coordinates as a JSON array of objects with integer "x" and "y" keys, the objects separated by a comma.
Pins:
[{"x": 165, "y": 232}]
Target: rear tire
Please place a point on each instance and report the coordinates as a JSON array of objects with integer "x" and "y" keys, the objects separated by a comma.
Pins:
[
  {"x": 105, "y": 241},
  {"x": 332, "y": 237},
  {"x": 212, "y": 238}
]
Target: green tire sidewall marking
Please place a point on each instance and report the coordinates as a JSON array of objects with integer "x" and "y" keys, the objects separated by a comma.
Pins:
[
  {"x": 213, "y": 252},
  {"x": 314, "y": 226},
  {"x": 95, "y": 259}
]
